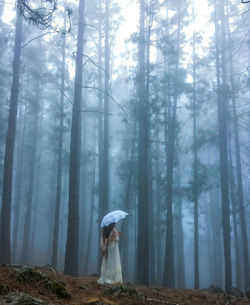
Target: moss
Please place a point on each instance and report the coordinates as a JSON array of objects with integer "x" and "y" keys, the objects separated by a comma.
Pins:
[
  {"x": 121, "y": 290},
  {"x": 20, "y": 298},
  {"x": 4, "y": 289},
  {"x": 28, "y": 274},
  {"x": 58, "y": 288}
]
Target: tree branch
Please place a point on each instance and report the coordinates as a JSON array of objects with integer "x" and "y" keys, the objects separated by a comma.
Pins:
[
  {"x": 28, "y": 42},
  {"x": 110, "y": 96},
  {"x": 86, "y": 110}
]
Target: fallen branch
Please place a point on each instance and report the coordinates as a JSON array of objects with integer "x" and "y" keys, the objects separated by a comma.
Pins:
[
  {"x": 229, "y": 301},
  {"x": 160, "y": 301}
]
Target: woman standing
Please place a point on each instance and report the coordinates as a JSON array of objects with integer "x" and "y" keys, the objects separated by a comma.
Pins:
[{"x": 111, "y": 264}]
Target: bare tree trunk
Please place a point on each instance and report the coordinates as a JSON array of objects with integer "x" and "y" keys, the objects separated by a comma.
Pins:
[
  {"x": 180, "y": 240},
  {"x": 222, "y": 120},
  {"x": 59, "y": 160},
  {"x": 35, "y": 214},
  {"x": 216, "y": 237},
  {"x": 29, "y": 204},
  {"x": 105, "y": 177},
  {"x": 72, "y": 244},
  {"x": 158, "y": 214},
  {"x": 143, "y": 232},
  {"x": 195, "y": 171},
  {"x": 5, "y": 254},
  {"x": 125, "y": 242},
  {"x": 91, "y": 209},
  {"x": 18, "y": 185},
  {"x": 150, "y": 174},
  {"x": 169, "y": 265},
  {"x": 234, "y": 216},
  {"x": 100, "y": 132},
  {"x": 240, "y": 192}
]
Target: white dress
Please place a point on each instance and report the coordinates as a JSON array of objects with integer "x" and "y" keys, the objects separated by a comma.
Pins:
[{"x": 111, "y": 266}]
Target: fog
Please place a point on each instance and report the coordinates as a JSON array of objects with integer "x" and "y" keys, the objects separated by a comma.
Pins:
[{"x": 142, "y": 106}]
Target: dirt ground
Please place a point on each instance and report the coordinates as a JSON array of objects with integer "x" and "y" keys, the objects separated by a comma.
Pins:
[{"x": 48, "y": 286}]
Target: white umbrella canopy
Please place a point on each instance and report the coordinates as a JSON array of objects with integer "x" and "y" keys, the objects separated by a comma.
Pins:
[{"x": 113, "y": 216}]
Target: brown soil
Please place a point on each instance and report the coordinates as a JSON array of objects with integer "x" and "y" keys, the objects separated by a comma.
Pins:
[{"x": 86, "y": 290}]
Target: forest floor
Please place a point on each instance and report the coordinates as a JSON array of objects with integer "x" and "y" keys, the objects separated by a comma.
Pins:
[{"x": 24, "y": 285}]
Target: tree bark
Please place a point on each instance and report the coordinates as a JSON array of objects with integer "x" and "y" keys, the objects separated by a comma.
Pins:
[
  {"x": 26, "y": 246},
  {"x": 180, "y": 239},
  {"x": 143, "y": 232},
  {"x": 105, "y": 177},
  {"x": 222, "y": 121},
  {"x": 5, "y": 254},
  {"x": 234, "y": 216},
  {"x": 169, "y": 265},
  {"x": 72, "y": 243},
  {"x": 240, "y": 193},
  {"x": 18, "y": 185},
  {"x": 100, "y": 132},
  {"x": 91, "y": 209},
  {"x": 195, "y": 171},
  {"x": 59, "y": 160}
]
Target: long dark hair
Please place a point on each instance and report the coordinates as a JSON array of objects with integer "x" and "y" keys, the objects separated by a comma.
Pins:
[{"x": 107, "y": 230}]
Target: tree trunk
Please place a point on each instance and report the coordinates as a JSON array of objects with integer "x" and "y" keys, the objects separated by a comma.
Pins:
[
  {"x": 169, "y": 265},
  {"x": 125, "y": 242},
  {"x": 216, "y": 237},
  {"x": 195, "y": 171},
  {"x": 29, "y": 204},
  {"x": 240, "y": 192},
  {"x": 35, "y": 214},
  {"x": 222, "y": 120},
  {"x": 234, "y": 216},
  {"x": 150, "y": 174},
  {"x": 59, "y": 160},
  {"x": 143, "y": 233},
  {"x": 5, "y": 254},
  {"x": 158, "y": 214},
  {"x": 100, "y": 132},
  {"x": 91, "y": 209},
  {"x": 72, "y": 244},
  {"x": 18, "y": 185},
  {"x": 180, "y": 240},
  {"x": 105, "y": 177}
]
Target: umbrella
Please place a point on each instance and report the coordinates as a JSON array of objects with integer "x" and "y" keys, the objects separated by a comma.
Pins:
[{"x": 113, "y": 216}]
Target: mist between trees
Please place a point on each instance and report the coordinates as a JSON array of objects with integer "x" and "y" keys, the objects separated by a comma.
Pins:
[{"x": 160, "y": 129}]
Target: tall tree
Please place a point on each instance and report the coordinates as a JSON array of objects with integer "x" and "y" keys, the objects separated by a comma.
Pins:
[
  {"x": 234, "y": 216},
  {"x": 240, "y": 193},
  {"x": 169, "y": 265},
  {"x": 101, "y": 211},
  {"x": 5, "y": 254},
  {"x": 181, "y": 277},
  {"x": 195, "y": 168},
  {"x": 143, "y": 233},
  {"x": 72, "y": 244},
  {"x": 18, "y": 183},
  {"x": 60, "y": 152},
  {"x": 222, "y": 121},
  {"x": 150, "y": 18},
  {"x": 31, "y": 173},
  {"x": 105, "y": 177}
]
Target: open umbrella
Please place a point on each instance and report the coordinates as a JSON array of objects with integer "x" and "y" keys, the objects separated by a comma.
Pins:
[{"x": 113, "y": 216}]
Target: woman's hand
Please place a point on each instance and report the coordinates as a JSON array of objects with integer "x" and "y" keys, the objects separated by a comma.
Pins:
[{"x": 119, "y": 233}]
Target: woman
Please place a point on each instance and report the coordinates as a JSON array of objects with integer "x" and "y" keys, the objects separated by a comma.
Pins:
[{"x": 111, "y": 265}]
